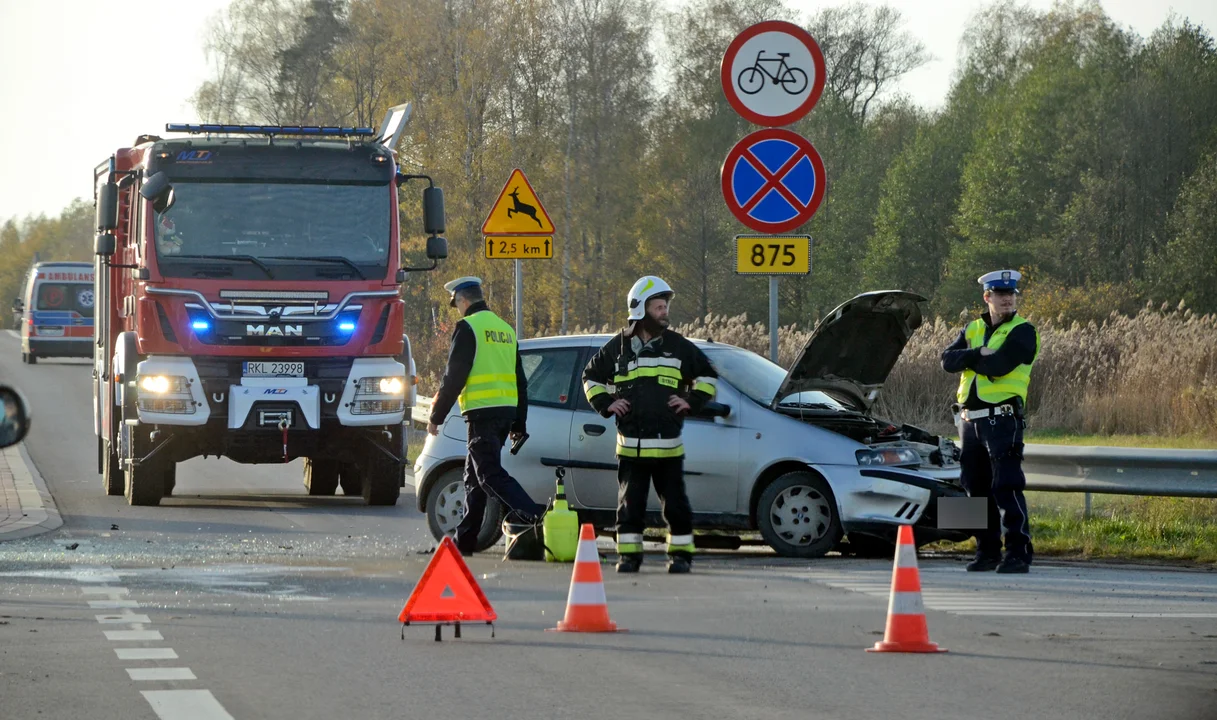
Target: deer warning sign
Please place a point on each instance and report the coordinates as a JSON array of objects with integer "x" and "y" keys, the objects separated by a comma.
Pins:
[{"x": 518, "y": 211}]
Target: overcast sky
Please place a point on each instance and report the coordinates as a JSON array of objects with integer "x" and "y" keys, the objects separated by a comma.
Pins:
[{"x": 80, "y": 78}]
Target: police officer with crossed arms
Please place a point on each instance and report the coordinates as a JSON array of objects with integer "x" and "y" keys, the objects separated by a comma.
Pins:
[
  {"x": 485, "y": 377},
  {"x": 995, "y": 353}
]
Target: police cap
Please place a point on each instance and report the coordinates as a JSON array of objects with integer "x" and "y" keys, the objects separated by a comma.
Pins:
[
  {"x": 1000, "y": 280},
  {"x": 461, "y": 283}
]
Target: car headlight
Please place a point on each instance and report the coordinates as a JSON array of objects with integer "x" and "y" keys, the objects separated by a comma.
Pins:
[
  {"x": 381, "y": 386},
  {"x": 164, "y": 384},
  {"x": 379, "y": 396},
  {"x": 169, "y": 394},
  {"x": 392, "y": 386},
  {"x": 888, "y": 456}
]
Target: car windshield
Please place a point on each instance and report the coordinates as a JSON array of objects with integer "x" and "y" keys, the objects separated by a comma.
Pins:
[
  {"x": 288, "y": 231},
  {"x": 760, "y": 379}
]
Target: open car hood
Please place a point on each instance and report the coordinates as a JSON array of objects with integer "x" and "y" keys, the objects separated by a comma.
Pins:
[{"x": 853, "y": 349}]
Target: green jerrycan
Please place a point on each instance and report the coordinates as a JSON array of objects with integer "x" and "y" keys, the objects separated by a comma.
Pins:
[{"x": 561, "y": 527}]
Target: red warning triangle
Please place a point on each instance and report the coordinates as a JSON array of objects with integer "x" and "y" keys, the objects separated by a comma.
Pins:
[{"x": 447, "y": 592}]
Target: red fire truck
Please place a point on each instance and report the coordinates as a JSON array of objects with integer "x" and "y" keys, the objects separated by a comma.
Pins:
[{"x": 248, "y": 305}]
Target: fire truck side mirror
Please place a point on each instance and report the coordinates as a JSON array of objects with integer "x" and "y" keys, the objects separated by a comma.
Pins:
[
  {"x": 434, "y": 222},
  {"x": 159, "y": 191},
  {"x": 107, "y": 207},
  {"x": 105, "y": 245},
  {"x": 437, "y": 248}
]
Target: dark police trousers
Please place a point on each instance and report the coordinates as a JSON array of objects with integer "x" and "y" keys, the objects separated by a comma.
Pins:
[
  {"x": 634, "y": 478},
  {"x": 991, "y": 466},
  {"x": 484, "y": 474}
]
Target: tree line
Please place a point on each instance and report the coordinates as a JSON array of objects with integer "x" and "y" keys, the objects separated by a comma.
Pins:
[{"x": 1068, "y": 147}]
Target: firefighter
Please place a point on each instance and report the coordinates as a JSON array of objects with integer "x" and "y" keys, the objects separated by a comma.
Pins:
[
  {"x": 484, "y": 375},
  {"x": 650, "y": 378},
  {"x": 995, "y": 353}
]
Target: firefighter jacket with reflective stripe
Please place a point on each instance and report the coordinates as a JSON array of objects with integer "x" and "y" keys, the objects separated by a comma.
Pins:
[
  {"x": 998, "y": 378},
  {"x": 484, "y": 372},
  {"x": 647, "y": 378}
]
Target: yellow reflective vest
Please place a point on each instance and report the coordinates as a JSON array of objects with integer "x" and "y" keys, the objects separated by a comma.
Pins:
[
  {"x": 492, "y": 378},
  {"x": 1000, "y": 389}
]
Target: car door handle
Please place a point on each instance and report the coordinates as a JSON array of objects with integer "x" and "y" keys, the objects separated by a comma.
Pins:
[{"x": 594, "y": 429}]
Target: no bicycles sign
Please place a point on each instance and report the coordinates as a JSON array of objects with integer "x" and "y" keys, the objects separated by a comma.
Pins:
[{"x": 773, "y": 73}]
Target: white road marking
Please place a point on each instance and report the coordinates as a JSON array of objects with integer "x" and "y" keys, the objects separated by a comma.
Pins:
[
  {"x": 123, "y": 619},
  {"x": 145, "y": 653},
  {"x": 112, "y": 604},
  {"x": 186, "y": 705},
  {"x": 119, "y": 635},
  {"x": 167, "y": 704},
  {"x": 105, "y": 590},
  {"x": 13, "y": 333},
  {"x": 154, "y": 674}
]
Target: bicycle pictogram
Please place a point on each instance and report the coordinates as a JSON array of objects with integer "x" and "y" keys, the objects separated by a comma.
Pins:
[{"x": 792, "y": 79}]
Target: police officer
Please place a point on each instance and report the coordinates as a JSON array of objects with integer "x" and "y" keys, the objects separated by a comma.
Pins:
[
  {"x": 650, "y": 378},
  {"x": 484, "y": 375},
  {"x": 995, "y": 353}
]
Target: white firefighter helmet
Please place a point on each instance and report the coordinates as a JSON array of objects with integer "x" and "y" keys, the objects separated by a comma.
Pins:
[{"x": 647, "y": 287}]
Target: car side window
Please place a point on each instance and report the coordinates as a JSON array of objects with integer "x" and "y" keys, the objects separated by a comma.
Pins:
[{"x": 550, "y": 375}]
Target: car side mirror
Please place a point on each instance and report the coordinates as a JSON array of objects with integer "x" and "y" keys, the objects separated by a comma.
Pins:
[
  {"x": 18, "y": 305},
  {"x": 14, "y": 417}
]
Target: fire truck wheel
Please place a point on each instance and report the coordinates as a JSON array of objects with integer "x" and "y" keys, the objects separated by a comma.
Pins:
[
  {"x": 350, "y": 479},
  {"x": 111, "y": 470},
  {"x": 145, "y": 482},
  {"x": 381, "y": 479},
  {"x": 320, "y": 476}
]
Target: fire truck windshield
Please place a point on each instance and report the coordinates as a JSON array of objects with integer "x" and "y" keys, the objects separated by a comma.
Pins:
[{"x": 291, "y": 231}]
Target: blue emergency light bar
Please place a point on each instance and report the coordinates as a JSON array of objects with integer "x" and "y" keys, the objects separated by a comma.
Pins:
[{"x": 326, "y": 131}]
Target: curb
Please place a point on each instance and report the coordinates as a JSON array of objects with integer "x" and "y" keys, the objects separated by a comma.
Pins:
[{"x": 38, "y": 511}]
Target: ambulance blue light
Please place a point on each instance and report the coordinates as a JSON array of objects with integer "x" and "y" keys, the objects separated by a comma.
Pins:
[
  {"x": 346, "y": 327},
  {"x": 200, "y": 325}
]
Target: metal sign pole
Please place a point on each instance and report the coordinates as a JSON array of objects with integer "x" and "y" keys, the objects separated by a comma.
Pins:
[
  {"x": 773, "y": 318},
  {"x": 519, "y": 299}
]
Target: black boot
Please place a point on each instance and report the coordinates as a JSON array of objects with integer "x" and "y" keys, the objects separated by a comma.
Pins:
[
  {"x": 1013, "y": 564},
  {"x": 983, "y": 562},
  {"x": 679, "y": 564},
  {"x": 629, "y": 563}
]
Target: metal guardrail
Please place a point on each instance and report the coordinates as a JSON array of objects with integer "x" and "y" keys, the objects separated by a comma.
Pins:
[
  {"x": 1088, "y": 469},
  {"x": 1121, "y": 471}
]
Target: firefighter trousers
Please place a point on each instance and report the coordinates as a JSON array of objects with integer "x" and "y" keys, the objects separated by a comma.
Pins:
[{"x": 634, "y": 478}]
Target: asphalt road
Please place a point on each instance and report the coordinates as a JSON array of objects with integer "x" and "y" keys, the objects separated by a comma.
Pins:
[{"x": 242, "y": 597}]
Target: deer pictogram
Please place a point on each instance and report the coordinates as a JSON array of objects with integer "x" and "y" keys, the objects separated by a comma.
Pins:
[{"x": 522, "y": 208}]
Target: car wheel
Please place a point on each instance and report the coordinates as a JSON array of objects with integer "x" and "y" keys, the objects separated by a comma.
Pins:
[
  {"x": 446, "y": 508},
  {"x": 798, "y": 517}
]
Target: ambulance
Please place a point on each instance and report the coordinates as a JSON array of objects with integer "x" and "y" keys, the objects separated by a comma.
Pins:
[{"x": 57, "y": 311}]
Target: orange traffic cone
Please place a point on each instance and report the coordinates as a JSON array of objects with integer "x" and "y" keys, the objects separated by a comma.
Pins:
[
  {"x": 906, "y": 629},
  {"x": 586, "y": 606}
]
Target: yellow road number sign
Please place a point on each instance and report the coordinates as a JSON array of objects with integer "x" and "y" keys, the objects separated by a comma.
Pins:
[
  {"x": 519, "y": 248},
  {"x": 772, "y": 254}
]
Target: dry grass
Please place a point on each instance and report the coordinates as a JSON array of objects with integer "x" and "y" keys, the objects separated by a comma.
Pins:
[{"x": 1152, "y": 373}]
